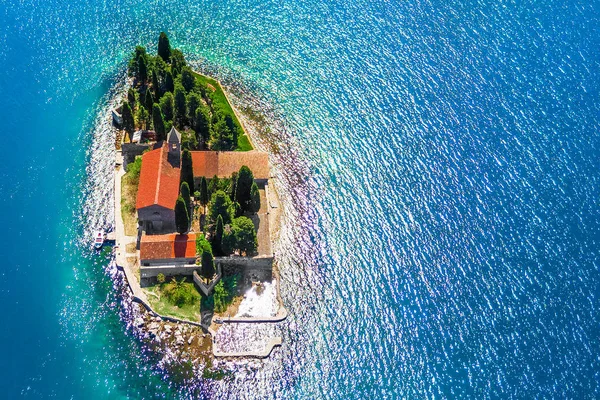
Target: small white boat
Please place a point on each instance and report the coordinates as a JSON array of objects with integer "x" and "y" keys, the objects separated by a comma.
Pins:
[{"x": 98, "y": 239}]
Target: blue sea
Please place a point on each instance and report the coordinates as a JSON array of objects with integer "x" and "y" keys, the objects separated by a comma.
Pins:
[{"x": 439, "y": 164}]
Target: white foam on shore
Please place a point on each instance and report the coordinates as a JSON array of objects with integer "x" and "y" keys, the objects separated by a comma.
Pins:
[{"x": 264, "y": 304}]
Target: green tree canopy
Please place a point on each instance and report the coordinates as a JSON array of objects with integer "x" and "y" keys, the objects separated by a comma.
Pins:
[
  {"x": 243, "y": 236},
  {"x": 128, "y": 121},
  {"x": 187, "y": 79},
  {"x": 184, "y": 191},
  {"x": 180, "y": 103},
  {"x": 158, "y": 122},
  {"x": 233, "y": 129},
  {"x": 131, "y": 98},
  {"x": 143, "y": 118},
  {"x": 204, "y": 192},
  {"x": 187, "y": 169},
  {"x": 177, "y": 62},
  {"x": 220, "y": 136},
  {"x": 193, "y": 101},
  {"x": 217, "y": 243},
  {"x": 245, "y": 179},
  {"x": 220, "y": 204},
  {"x": 169, "y": 82},
  {"x": 149, "y": 100},
  {"x": 204, "y": 251},
  {"x": 167, "y": 105},
  {"x": 202, "y": 125},
  {"x": 182, "y": 218},
  {"x": 155, "y": 86},
  {"x": 164, "y": 47},
  {"x": 142, "y": 69},
  {"x": 254, "y": 198}
]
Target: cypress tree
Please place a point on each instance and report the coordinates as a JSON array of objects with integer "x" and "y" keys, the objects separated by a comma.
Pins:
[
  {"x": 128, "y": 122},
  {"x": 169, "y": 82},
  {"x": 184, "y": 192},
  {"x": 166, "y": 106},
  {"x": 131, "y": 98},
  {"x": 155, "y": 86},
  {"x": 208, "y": 263},
  {"x": 244, "y": 186},
  {"x": 232, "y": 126},
  {"x": 142, "y": 69},
  {"x": 187, "y": 79},
  {"x": 218, "y": 239},
  {"x": 149, "y": 101},
  {"x": 182, "y": 219},
  {"x": 202, "y": 125},
  {"x": 180, "y": 104},
  {"x": 254, "y": 198},
  {"x": 159, "y": 122},
  {"x": 187, "y": 170},
  {"x": 164, "y": 47},
  {"x": 203, "y": 193},
  {"x": 193, "y": 101}
]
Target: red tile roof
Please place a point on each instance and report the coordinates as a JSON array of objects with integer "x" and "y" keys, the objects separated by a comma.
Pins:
[
  {"x": 155, "y": 247},
  {"x": 224, "y": 163},
  {"x": 159, "y": 180}
]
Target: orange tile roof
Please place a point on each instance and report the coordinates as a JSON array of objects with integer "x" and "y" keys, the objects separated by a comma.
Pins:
[
  {"x": 225, "y": 163},
  {"x": 155, "y": 247},
  {"x": 159, "y": 180}
]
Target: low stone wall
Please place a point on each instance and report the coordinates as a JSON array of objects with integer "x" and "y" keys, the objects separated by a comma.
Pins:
[{"x": 167, "y": 270}]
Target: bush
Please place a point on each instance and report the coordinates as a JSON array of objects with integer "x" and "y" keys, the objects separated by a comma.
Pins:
[
  {"x": 181, "y": 293},
  {"x": 160, "y": 278},
  {"x": 242, "y": 236}
]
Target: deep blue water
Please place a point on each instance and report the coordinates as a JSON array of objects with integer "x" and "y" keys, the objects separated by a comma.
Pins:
[{"x": 440, "y": 167}]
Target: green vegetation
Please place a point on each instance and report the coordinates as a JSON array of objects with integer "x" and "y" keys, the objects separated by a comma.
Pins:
[
  {"x": 182, "y": 218},
  {"x": 177, "y": 298},
  {"x": 184, "y": 192},
  {"x": 224, "y": 292},
  {"x": 203, "y": 193},
  {"x": 184, "y": 98},
  {"x": 204, "y": 249},
  {"x": 241, "y": 236},
  {"x": 221, "y": 205},
  {"x": 217, "y": 243},
  {"x": 128, "y": 122},
  {"x": 129, "y": 186},
  {"x": 245, "y": 179},
  {"x": 160, "y": 278},
  {"x": 187, "y": 169}
]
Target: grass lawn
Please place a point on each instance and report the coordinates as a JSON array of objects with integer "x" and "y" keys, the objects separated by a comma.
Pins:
[
  {"x": 161, "y": 304},
  {"x": 128, "y": 196},
  {"x": 219, "y": 97}
]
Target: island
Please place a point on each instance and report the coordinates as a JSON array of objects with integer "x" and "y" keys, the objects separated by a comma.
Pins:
[{"x": 196, "y": 214}]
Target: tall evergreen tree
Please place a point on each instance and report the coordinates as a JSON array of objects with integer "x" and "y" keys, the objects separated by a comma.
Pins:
[
  {"x": 156, "y": 86},
  {"x": 131, "y": 98},
  {"x": 128, "y": 121},
  {"x": 177, "y": 62},
  {"x": 169, "y": 82},
  {"x": 244, "y": 186},
  {"x": 180, "y": 104},
  {"x": 202, "y": 125},
  {"x": 142, "y": 69},
  {"x": 218, "y": 238},
  {"x": 167, "y": 103},
  {"x": 182, "y": 218},
  {"x": 203, "y": 193},
  {"x": 193, "y": 101},
  {"x": 149, "y": 100},
  {"x": 208, "y": 263},
  {"x": 159, "y": 122},
  {"x": 233, "y": 128},
  {"x": 187, "y": 79},
  {"x": 164, "y": 47},
  {"x": 187, "y": 169},
  {"x": 220, "y": 204},
  {"x": 254, "y": 198},
  {"x": 184, "y": 192}
]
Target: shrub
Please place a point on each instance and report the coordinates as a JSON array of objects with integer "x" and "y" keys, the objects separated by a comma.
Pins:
[
  {"x": 181, "y": 293},
  {"x": 160, "y": 278}
]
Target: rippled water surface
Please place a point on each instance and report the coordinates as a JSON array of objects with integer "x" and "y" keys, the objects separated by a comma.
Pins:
[{"x": 439, "y": 167}]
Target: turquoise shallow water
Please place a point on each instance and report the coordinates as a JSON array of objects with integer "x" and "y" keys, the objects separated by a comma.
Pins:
[{"x": 440, "y": 165}]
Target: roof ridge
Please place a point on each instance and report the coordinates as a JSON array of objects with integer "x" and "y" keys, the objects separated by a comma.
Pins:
[{"x": 160, "y": 166}]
